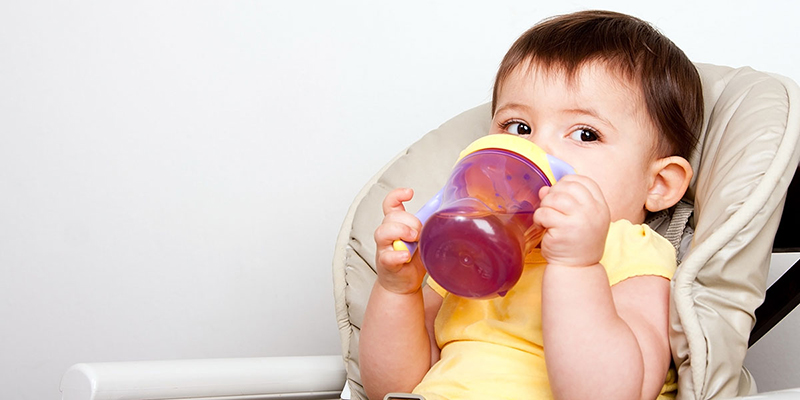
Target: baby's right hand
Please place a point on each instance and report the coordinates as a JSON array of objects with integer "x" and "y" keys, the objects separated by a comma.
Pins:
[{"x": 395, "y": 272}]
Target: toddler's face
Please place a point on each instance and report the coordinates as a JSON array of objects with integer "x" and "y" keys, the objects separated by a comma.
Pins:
[{"x": 598, "y": 123}]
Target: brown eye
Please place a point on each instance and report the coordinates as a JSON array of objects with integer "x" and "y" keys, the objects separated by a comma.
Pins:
[
  {"x": 518, "y": 128},
  {"x": 584, "y": 135}
]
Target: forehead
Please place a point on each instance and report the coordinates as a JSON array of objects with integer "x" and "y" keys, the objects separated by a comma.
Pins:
[
  {"x": 592, "y": 84},
  {"x": 590, "y": 78}
]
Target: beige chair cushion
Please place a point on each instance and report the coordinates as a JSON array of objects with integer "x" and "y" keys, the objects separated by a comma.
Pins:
[
  {"x": 743, "y": 167},
  {"x": 738, "y": 192}
]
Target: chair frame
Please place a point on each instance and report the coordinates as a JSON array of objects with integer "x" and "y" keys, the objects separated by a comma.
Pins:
[{"x": 783, "y": 296}]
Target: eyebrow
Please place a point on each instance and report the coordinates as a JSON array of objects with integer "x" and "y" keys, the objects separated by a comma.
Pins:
[
  {"x": 590, "y": 112},
  {"x": 511, "y": 106}
]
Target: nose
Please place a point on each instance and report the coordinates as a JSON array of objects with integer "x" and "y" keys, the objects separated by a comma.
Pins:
[
  {"x": 543, "y": 144},
  {"x": 540, "y": 139}
]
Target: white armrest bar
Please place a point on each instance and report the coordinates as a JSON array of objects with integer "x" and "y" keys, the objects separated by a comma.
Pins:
[
  {"x": 789, "y": 394},
  {"x": 315, "y": 377}
]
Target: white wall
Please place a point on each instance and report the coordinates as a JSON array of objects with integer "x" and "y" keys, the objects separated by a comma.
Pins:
[{"x": 173, "y": 174}]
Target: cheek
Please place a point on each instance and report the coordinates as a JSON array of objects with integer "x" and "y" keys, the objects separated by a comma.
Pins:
[
  {"x": 623, "y": 184},
  {"x": 625, "y": 197}
]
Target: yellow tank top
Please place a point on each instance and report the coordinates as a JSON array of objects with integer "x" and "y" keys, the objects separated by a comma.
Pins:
[{"x": 492, "y": 349}]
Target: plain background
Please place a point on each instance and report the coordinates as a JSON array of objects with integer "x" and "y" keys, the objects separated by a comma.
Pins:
[{"x": 173, "y": 174}]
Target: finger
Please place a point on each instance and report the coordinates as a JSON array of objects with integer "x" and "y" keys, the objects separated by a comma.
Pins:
[
  {"x": 394, "y": 200},
  {"x": 589, "y": 185},
  {"x": 549, "y": 217},
  {"x": 405, "y": 218},
  {"x": 571, "y": 193},
  {"x": 388, "y": 232},
  {"x": 564, "y": 198},
  {"x": 393, "y": 260},
  {"x": 543, "y": 191}
]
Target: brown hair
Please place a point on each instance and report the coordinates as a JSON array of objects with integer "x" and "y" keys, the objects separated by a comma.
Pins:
[{"x": 669, "y": 82}]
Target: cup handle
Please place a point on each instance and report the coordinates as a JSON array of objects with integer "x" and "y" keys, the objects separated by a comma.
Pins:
[
  {"x": 423, "y": 214},
  {"x": 560, "y": 168}
]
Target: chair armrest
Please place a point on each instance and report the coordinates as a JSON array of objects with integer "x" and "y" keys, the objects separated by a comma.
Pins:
[
  {"x": 313, "y": 377},
  {"x": 790, "y": 394}
]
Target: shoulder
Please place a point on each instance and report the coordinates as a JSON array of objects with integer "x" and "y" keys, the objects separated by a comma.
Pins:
[{"x": 636, "y": 250}]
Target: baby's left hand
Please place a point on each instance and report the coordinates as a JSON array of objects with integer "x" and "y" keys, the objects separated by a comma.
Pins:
[{"x": 576, "y": 218}]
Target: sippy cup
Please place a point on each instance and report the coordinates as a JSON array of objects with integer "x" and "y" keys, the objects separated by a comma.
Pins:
[{"x": 478, "y": 229}]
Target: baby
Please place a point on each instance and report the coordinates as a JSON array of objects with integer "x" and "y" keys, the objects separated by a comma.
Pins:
[{"x": 618, "y": 101}]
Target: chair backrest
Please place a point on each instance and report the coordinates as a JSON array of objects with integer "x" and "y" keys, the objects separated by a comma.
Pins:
[{"x": 743, "y": 165}]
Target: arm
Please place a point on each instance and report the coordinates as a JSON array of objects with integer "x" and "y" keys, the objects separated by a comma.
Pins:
[
  {"x": 600, "y": 342},
  {"x": 612, "y": 342},
  {"x": 397, "y": 346}
]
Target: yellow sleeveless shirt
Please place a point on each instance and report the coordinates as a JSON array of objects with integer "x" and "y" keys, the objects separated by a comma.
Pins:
[{"x": 492, "y": 349}]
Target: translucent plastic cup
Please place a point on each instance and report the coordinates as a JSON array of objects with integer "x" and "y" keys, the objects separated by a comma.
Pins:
[{"x": 478, "y": 229}]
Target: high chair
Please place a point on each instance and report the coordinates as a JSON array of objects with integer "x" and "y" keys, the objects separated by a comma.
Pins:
[{"x": 723, "y": 233}]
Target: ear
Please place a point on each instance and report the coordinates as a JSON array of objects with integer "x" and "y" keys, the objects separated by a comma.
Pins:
[{"x": 670, "y": 177}]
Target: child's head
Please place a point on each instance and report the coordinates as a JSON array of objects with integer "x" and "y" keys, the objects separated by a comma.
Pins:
[
  {"x": 610, "y": 95},
  {"x": 669, "y": 82}
]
